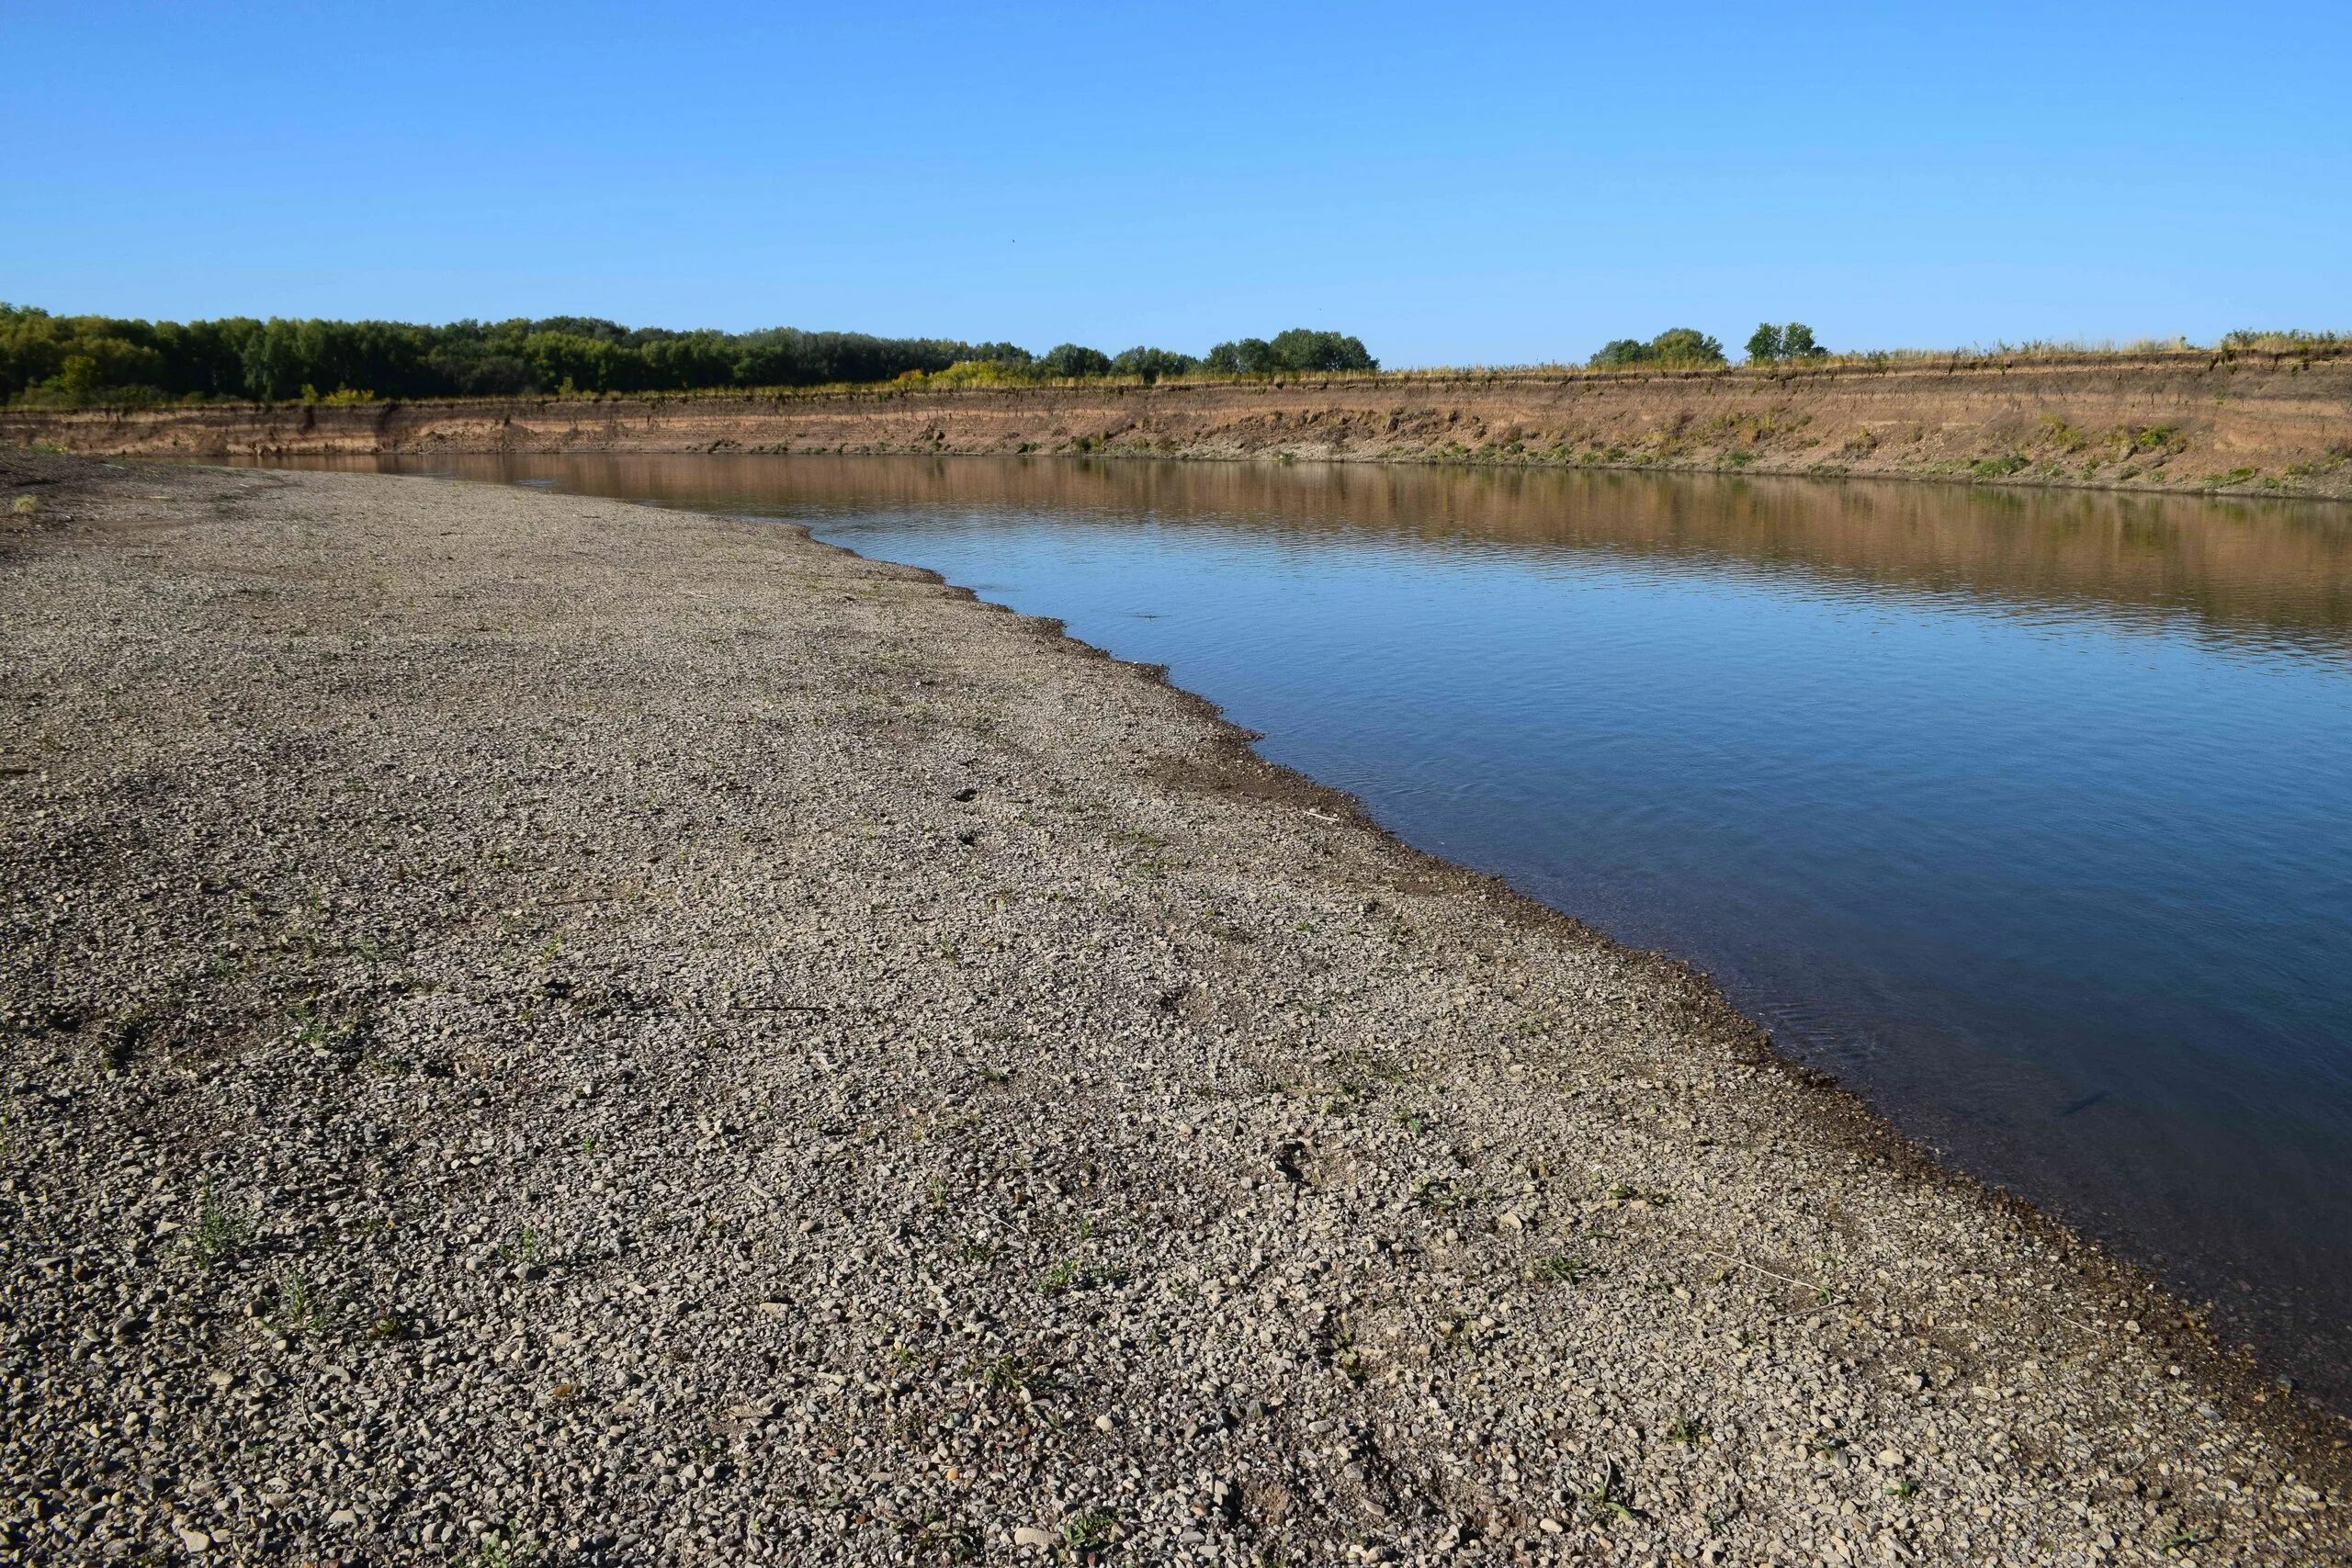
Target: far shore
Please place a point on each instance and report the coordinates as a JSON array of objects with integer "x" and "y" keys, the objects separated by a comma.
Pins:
[
  {"x": 526, "y": 1036},
  {"x": 2171, "y": 424}
]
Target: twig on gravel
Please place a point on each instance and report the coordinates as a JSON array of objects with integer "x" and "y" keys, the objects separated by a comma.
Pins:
[{"x": 1744, "y": 1263}]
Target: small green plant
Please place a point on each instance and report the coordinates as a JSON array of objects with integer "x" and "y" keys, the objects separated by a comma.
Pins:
[
  {"x": 1443, "y": 1197},
  {"x": 1904, "y": 1489},
  {"x": 1087, "y": 1534},
  {"x": 499, "y": 1549},
  {"x": 25, "y": 506},
  {"x": 1686, "y": 1432},
  {"x": 1607, "y": 1500},
  {"x": 1070, "y": 1275},
  {"x": 1564, "y": 1269},
  {"x": 529, "y": 1249},
  {"x": 300, "y": 1308},
  {"x": 940, "y": 1535},
  {"x": 221, "y": 1229},
  {"x": 1344, "y": 1101},
  {"x": 1011, "y": 1374},
  {"x": 388, "y": 1329}
]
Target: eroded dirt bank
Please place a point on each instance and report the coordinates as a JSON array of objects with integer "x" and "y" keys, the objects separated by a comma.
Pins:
[
  {"x": 648, "y": 1039},
  {"x": 2176, "y": 421}
]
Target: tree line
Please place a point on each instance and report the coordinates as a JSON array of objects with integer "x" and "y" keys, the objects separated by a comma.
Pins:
[
  {"x": 1688, "y": 348},
  {"x": 80, "y": 360}
]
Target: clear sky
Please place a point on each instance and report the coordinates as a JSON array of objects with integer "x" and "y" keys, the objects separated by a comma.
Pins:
[{"x": 1494, "y": 183}]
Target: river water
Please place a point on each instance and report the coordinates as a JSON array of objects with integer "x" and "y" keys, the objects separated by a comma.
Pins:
[{"x": 2028, "y": 814}]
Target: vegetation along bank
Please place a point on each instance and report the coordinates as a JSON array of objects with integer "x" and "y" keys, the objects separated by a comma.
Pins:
[{"x": 2242, "y": 422}]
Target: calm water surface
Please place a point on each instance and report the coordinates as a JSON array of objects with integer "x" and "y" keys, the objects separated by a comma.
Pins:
[{"x": 2030, "y": 814}]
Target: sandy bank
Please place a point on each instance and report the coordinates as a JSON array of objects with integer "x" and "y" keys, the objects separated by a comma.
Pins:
[
  {"x": 2253, "y": 425},
  {"x": 645, "y": 1035}
]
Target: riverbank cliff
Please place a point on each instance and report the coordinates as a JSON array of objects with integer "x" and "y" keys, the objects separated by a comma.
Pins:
[{"x": 2253, "y": 424}]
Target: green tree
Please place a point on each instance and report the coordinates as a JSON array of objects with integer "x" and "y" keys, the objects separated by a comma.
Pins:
[
  {"x": 1796, "y": 343},
  {"x": 1301, "y": 348},
  {"x": 1618, "y": 354},
  {"x": 1244, "y": 356},
  {"x": 1764, "y": 345},
  {"x": 1676, "y": 347},
  {"x": 1066, "y": 360},
  {"x": 1686, "y": 345},
  {"x": 1151, "y": 364},
  {"x": 77, "y": 380}
]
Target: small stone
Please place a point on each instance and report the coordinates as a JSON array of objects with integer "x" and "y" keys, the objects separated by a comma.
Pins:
[
  {"x": 1105, "y": 1422},
  {"x": 1029, "y": 1535},
  {"x": 1551, "y": 1526},
  {"x": 342, "y": 1518},
  {"x": 196, "y": 1540},
  {"x": 1890, "y": 1459}
]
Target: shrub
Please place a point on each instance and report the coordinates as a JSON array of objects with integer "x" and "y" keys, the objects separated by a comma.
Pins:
[
  {"x": 1299, "y": 349},
  {"x": 1769, "y": 345},
  {"x": 1676, "y": 347},
  {"x": 1151, "y": 364},
  {"x": 1071, "y": 359}
]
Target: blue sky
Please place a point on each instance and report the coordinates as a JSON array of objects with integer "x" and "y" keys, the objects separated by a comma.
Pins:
[{"x": 1494, "y": 183}]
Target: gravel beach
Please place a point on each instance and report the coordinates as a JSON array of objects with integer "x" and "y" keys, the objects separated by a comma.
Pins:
[{"x": 541, "y": 1030}]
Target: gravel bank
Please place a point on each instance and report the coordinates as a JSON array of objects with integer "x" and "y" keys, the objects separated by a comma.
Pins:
[{"x": 536, "y": 1029}]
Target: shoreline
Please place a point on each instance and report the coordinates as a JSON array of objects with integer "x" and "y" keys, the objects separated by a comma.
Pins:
[
  {"x": 2183, "y": 424},
  {"x": 1436, "y": 1248}
]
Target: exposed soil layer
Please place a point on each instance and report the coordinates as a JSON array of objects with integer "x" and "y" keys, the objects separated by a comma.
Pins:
[
  {"x": 633, "y": 1036},
  {"x": 2249, "y": 424}
]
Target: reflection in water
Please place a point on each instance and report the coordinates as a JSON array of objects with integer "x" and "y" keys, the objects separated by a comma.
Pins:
[
  {"x": 2024, "y": 811},
  {"x": 2257, "y": 570}
]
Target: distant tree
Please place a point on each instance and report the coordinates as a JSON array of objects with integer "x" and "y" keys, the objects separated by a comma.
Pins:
[
  {"x": 1773, "y": 344},
  {"x": 1151, "y": 364},
  {"x": 1618, "y": 353},
  {"x": 136, "y": 361},
  {"x": 1686, "y": 345},
  {"x": 78, "y": 381},
  {"x": 1071, "y": 359},
  {"x": 1674, "y": 347},
  {"x": 1244, "y": 356},
  {"x": 1304, "y": 349}
]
